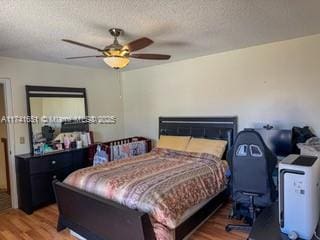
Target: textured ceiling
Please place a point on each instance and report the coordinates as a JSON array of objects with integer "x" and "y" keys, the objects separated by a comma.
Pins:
[{"x": 32, "y": 29}]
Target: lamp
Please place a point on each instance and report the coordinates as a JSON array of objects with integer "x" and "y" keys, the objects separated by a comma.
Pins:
[
  {"x": 117, "y": 58},
  {"x": 116, "y": 62}
]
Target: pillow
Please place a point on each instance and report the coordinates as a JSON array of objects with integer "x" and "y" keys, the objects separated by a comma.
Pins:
[
  {"x": 211, "y": 146},
  {"x": 173, "y": 142}
]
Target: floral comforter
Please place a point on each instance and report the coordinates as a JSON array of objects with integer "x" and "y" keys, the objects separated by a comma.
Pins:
[{"x": 164, "y": 183}]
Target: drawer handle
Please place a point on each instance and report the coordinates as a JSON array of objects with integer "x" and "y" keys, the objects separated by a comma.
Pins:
[
  {"x": 54, "y": 177},
  {"x": 53, "y": 162}
]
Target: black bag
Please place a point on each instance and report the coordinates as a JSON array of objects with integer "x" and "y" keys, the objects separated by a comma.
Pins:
[{"x": 300, "y": 135}]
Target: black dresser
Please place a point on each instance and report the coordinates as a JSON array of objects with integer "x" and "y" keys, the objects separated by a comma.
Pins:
[{"x": 35, "y": 174}]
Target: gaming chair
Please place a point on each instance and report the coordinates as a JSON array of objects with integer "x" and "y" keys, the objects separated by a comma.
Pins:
[{"x": 251, "y": 164}]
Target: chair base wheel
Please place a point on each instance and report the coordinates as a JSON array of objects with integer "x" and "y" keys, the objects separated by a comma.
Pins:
[{"x": 228, "y": 229}]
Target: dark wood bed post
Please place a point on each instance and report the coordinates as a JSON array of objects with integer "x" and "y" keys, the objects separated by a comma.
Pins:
[
  {"x": 60, "y": 225},
  {"x": 97, "y": 218}
]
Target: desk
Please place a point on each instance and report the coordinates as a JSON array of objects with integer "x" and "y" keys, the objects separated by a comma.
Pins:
[{"x": 267, "y": 226}]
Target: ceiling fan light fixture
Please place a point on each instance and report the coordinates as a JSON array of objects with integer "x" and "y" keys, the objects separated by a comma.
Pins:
[
  {"x": 118, "y": 56},
  {"x": 116, "y": 62}
]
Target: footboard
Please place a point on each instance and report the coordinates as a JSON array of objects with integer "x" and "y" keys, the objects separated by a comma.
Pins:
[{"x": 96, "y": 218}]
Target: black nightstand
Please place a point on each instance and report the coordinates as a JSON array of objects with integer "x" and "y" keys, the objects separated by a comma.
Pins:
[{"x": 267, "y": 226}]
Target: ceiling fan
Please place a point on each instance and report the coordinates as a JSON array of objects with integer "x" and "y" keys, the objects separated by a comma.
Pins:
[{"x": 117, "y": 55}]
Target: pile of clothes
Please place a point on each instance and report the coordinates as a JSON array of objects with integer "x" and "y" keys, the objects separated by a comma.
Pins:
[{"x": 311, "y": 147}]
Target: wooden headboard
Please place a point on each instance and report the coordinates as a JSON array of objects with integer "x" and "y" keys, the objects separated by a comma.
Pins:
[{"x": 225, "y": 128}]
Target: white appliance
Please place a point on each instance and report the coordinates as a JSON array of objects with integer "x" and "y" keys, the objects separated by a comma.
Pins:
[{"x": 299, "y": 195}]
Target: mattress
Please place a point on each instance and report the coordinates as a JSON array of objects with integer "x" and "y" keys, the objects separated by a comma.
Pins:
[{"x": 168, "y": 185}]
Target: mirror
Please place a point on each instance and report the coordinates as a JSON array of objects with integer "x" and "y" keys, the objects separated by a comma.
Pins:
[
  {"x": 47, "y": 107},
  {"x": 56, "y": 112}
]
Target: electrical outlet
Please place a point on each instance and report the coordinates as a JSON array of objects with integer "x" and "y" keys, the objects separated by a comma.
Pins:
[{"x": 22, "y": 140}]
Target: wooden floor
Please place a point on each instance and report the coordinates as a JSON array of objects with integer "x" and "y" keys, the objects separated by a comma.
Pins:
[{"x": 16, "y": 225}]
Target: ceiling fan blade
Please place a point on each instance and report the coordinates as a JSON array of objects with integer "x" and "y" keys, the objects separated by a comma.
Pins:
[
  {"x": 150, "y": 56},
  {"x": 81, "y": 44},
  {"x": 138, "y": 44},
  {"x": 85, "y": 57}
]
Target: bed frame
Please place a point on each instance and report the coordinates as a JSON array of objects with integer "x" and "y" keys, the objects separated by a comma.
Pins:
[{"x": 97, "y": 218}]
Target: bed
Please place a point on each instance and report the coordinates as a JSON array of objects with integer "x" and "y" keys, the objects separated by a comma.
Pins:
[{"x": 97, "y": 209}]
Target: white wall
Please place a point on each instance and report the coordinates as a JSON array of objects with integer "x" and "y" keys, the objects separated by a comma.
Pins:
[
  {"x": 276, "y": 83},
  {"x": 102, "y": 86}
]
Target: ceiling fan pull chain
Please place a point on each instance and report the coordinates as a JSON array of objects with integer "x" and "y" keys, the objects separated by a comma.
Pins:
[{"x": 120, "y": 83}]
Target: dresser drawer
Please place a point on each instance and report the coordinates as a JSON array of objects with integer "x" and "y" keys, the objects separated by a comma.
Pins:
[
  {"x": 41, "y": 189},
  {"x": 41, "y": 186},
  {"x": 50, "y": 163}
]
